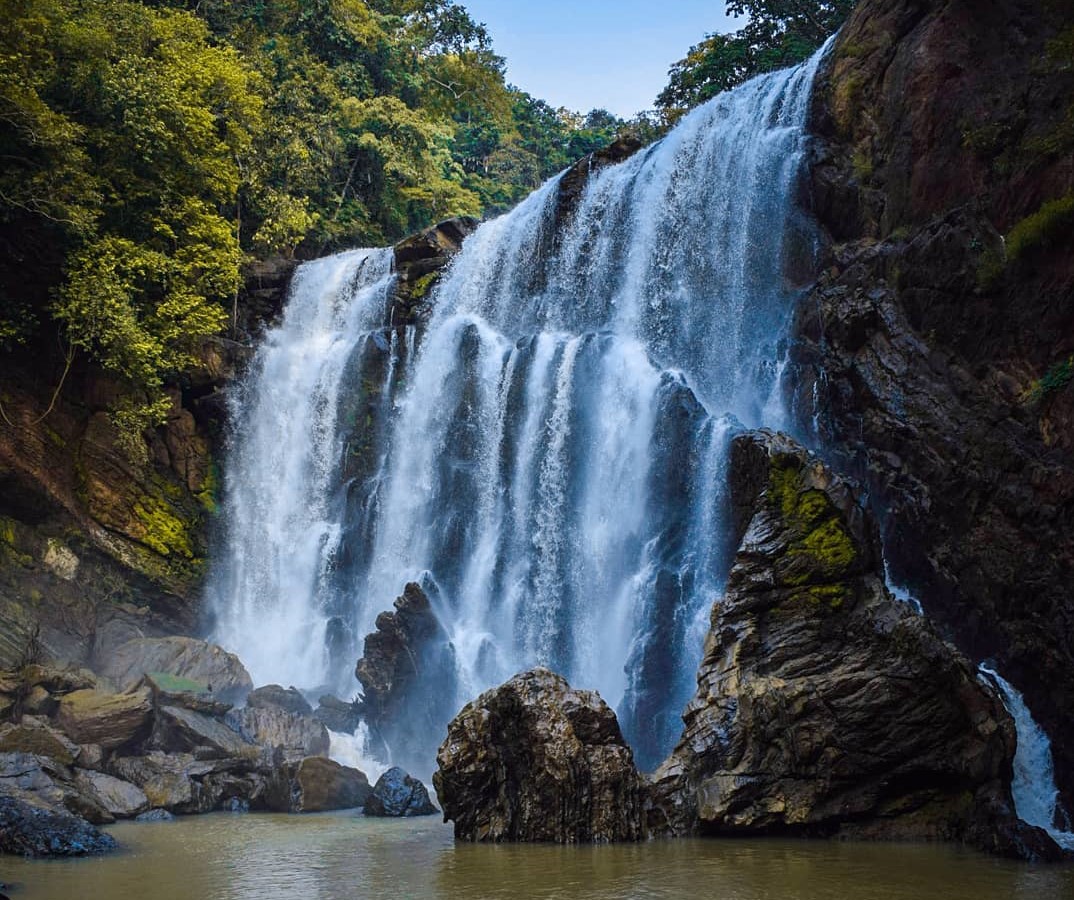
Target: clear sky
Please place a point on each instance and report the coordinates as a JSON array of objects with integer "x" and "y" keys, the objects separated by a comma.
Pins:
[{"x": 584, "y": 54}]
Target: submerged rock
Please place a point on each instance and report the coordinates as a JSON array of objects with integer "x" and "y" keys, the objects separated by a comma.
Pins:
[
  {"x": 825, "y": 706},
  {"x": 27, "y": 830},
  {"x": 155, "y": 815},
  {"x": 396, "y": 794},
  {"x": 534, "y": 760}
]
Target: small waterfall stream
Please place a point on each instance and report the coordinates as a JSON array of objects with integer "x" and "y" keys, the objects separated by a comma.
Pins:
[
  {"x": 1036, "y": 797},
  {"x": 548, "y": 455}
]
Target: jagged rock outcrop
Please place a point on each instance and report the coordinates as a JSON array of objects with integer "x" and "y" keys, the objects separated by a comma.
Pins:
[
  {"x": 534, "y": 760},
  {"x": 419, "y": 262},
  {"x": 406, "y": 674},
  {"x": 824, "y": 705},
  {"x": 933, "y": 355},
  {"x": 338, "y": 715},
  {"x": 397, "y": 795}
]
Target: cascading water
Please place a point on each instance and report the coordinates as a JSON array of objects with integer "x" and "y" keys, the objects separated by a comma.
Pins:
[
  {"x": 551, "y": 460},
  {"x": 1036, "y": 797}
]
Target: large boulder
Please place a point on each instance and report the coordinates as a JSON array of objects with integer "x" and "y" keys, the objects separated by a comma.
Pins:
[
  {"x": 27, "y": 830},
  {"x": 317, "y": 784},
  {"x": 180, "y": 730},
  {"x": 172, "y": 690},
  {"x": 396, "y": 794},
  {"x": 407, "y": 674},
  {"x": 47, "y": 784},
  {"x": 338, "y": 715},
  {"x": 110, "y": 720},
  {"x": 297, "y": 736},
  {"x": 121, "y": 798},
  {"x": 222, "y": 672},
  {"x": 534, "y": 760},
  {"x": 273, "y": 696},
  {"x": 824, "y": 705},
  {"x": 33, "y": 735}
]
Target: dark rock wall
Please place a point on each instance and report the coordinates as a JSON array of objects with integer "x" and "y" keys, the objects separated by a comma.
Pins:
[{"x": 930, "y": 354}]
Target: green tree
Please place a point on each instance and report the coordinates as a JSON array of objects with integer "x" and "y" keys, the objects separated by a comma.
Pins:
[{"x": 779, "y": 33}]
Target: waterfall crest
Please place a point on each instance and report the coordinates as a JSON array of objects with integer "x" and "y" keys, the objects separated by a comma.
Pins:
[{"x": 549, "y": 458}]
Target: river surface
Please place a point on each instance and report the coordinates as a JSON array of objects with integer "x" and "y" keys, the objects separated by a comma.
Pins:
[{"x": 339, "y": 856}]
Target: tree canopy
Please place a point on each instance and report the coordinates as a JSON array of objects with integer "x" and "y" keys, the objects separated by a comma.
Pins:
[
  {"x": 150, "y": 146},
  {"x": 779, "y": 33}
]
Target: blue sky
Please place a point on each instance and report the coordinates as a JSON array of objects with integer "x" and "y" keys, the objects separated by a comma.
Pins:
[{"x": 584, "y": 54}]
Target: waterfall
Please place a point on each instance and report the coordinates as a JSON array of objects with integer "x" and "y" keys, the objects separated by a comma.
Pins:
[
  {"x": 550, "y": 458},
  {"x": 1036, "y": 797}
]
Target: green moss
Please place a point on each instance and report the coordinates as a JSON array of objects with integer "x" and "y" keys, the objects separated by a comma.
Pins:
[
  {"x": 54, "y": 437},
  {"x": 175, "y": 684},
  {"x": 1055, "y": 379},
  {"x": 862, "y": 163},
  {"x": 832, "y": 596},
  {"x": 423, "y": 285},
  {"x": 7, "y": 531},
  {"x": 830, "y": 546},
  {"x": 1049, "y": 225},
  {"x": 164, "y": 531},
  {"x": 206, "y": 496}
]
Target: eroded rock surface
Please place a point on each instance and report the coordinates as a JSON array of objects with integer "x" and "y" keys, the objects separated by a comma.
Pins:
[
  {"x": 396, "y": 794},
  {"x": 824, "y": 705},
  {"x": 223, "y": 673},
  {"x": 534, "y": 760}
]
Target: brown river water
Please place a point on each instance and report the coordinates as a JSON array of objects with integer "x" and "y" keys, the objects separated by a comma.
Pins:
[{"x": 338, "y": 856}]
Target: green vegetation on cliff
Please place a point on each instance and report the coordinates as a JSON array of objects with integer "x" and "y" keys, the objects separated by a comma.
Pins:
[
  {"x": 779, "y": 33},
  {"x": 149, "y": 147}
]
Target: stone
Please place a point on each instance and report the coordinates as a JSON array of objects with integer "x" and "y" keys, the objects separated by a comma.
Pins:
[
  {"x": 296, "y": 735},
  {"x": 534, "y": 760},
  {"x": 180, "y": 730},
  {"x": 407, "y": 672},
  {"x": 121, "y": 798},
  {"x": 338, "y": 715},
  {"x": 171, "y": 690},
  {"x": 155, "y": 815},
  {"x": 36, "y": 736},
  {"x": 317, "y": 784},
  {"x": 91, "y": 756},
  {"x": 111, "y": 720},
  {"x": 27, "y": 830},
  {"x": 824, "y": 705},
  {"x": 274, "y": 696},
  {"x": 222, "y": 672},
  {"x": 397, "y": 795},
  {"x": 39, "y": 702},
  {"x": 48, "y": 784},
  {"x": 181, "y": 783}
]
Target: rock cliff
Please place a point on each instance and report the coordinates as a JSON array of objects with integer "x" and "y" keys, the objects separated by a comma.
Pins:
[
  {"x": 934, "y": 353},
  {"x": 824, "y": 705}
]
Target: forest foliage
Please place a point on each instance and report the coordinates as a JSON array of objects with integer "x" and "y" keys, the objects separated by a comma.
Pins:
[
  {"x": 150, "y": 147},
  {"x": 777, "y": 34}
]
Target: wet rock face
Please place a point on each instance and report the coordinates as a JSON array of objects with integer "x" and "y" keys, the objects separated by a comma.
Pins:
[
  {"x": 534, "y": 760},
  {"x": 397, "y": 795},
  {"x": 824, "y": 705},
  {"x": 407, "y": 676},
  {"x": 317, "y": 784},
  {"x": 296, "y": 735},
  {"x": 419, "y": 261},
  {"x": 27, "y": 830},
  {"x": 921, "y": 347}
]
